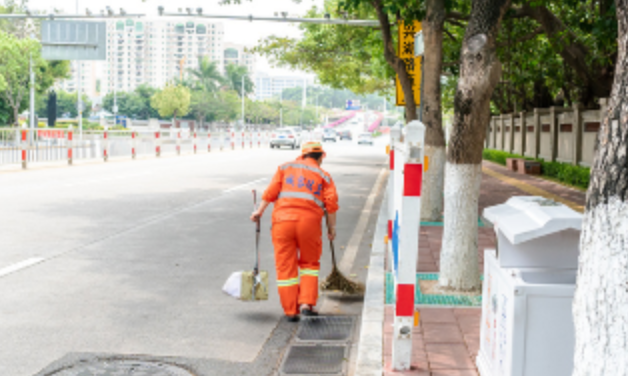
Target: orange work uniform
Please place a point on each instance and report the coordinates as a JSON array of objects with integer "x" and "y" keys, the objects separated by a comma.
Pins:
[{"x": 301, "y": 191}]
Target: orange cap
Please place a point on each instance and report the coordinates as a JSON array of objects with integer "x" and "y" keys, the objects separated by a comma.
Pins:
[{"x": 312, "y": 147}]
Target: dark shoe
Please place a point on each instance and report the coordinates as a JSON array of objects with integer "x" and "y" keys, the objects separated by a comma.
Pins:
[
  {"x": 308, "y": 310},
  {"x": 294, "y": 318}
]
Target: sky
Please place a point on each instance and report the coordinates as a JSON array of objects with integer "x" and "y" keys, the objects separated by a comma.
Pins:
[{"x": 240, "y": 32}]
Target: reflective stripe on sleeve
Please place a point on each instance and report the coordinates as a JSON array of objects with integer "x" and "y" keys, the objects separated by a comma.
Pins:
[
  {"x": 287, "y": 282},
  {"x": 306, "y": 167},
  {"x": 303, "y": 195}
]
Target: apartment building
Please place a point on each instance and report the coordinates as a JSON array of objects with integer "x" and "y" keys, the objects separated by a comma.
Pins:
[{"x": 236, "y": 54}]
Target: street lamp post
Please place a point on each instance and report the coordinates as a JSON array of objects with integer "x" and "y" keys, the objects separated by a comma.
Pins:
[{"x": 242, "y": 101}]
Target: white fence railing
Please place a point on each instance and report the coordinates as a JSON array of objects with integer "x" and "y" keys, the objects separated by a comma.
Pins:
[
  {"x": 404, "y": 221},
  {"x": 24, "y": 146}
]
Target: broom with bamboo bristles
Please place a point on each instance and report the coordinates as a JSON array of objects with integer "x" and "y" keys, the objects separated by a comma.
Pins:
[{"x": 336, "y": 281}]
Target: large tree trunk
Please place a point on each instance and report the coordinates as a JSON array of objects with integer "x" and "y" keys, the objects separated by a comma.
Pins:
[
  {"x": 601, "y": 301},
  {"x": 432, "y": 190},
  {"x": 480, "y": 71}
]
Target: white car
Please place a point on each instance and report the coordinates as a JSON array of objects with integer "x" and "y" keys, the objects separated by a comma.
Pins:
[
  {"x": 330, "y": 135},
  {"x": 365, "y": 138},
  {"x": 285, "y": 137}
]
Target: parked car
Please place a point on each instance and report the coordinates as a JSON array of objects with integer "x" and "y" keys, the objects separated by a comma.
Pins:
[
  {"x": 365, "y": 138},
  {"x": 345, "y": 135},
  {"x": 330, "y": 135},
  {"x": 285, "y": 137}
]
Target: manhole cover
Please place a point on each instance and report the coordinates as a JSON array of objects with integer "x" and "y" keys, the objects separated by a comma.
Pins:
[
  {"x": 122, "y": 368},
  {"x": 326, "y": 329},
  {"x": 315, "y": 360}
]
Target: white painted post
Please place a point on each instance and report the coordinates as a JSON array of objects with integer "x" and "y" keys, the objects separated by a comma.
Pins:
[
  {"x": 70, "y": 156},
  {"x": 194, "y": 142},
  {"x": 410, "y": 219},
  {"x": 105, "y": 145},
  {"x": 232, "y": 140},
  {"x": 243, "y": 140},
  {"x": 209, "y": 142},
  {"x": 133, "y": 144},
  {"x": 24, "y": 145},
  {"x": 157, "y": 144},
  {"x": 395, "y": 134},
  {"x": 178, "y": 142}
]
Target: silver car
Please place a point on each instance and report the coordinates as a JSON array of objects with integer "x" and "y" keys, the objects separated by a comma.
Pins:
[{"x": 285, "y": 137}]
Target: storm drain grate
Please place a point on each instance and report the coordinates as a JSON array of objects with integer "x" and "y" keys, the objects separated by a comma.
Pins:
[
  {"x": 121, "y": 368},
  {"x": 326, "y": 329},
  {"x": 315, "y": 360}
]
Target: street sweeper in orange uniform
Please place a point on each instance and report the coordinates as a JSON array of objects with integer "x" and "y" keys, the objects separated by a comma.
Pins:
[{"x": 302, "y": 192}]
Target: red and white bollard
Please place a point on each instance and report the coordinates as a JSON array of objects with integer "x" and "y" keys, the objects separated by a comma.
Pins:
[
  {"x": 242, "y": 140},
  {"x": 133, "y": 144},
  {"x": 209, "y": 142},
  {"x": 105, "y": 145},
  {"x": 259, "y": 140},
  {"x": 24, "y": 145},
  {"x": 395, "y": 135},
  {"x": 179, "y": 143},
  {"x": 157, "y": 144},
  {"x": 194, "y": 142},
  {"x": 232, "y": 140},
  {"x": 70, "y": 142},
  {"x": 408, "y": 246}
]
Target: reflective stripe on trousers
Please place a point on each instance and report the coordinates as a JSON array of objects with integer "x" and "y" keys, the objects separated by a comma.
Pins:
[
  {"x": 309, "y": 272},
  {"x": 303, "y": 195},
  {"x": 287, "y": 282}
]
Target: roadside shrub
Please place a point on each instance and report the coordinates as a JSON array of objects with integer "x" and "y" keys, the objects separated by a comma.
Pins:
[{"x": 564, "y": 172}]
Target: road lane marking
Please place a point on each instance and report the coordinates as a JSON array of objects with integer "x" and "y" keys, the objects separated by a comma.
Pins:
[
  {"x": 244, "y": 185},
  {"x": 356, "y": 238},
  {"x": 20, "y": 265}
]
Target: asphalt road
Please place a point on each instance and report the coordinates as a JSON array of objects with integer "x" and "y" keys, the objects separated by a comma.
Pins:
[{"x": 129, "y": 257}]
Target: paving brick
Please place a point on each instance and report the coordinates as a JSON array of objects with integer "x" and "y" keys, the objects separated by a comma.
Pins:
[
  {"x": 446, "y": 356},
  {"x": 442, "y": 333},
  {"x": 454, "y": 372},
  {"x": 437, "y": 315}
]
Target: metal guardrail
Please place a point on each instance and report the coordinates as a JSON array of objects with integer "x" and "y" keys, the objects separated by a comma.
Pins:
[{"x": 25, "y": 146}]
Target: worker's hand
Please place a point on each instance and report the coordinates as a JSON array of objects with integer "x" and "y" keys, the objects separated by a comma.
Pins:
[
  {"x": 331, "y": 233},
  {"x": 256, "y": 216}
]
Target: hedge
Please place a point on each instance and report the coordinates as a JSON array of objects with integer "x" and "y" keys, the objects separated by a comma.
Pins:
[{"x": 564, "y": 172}]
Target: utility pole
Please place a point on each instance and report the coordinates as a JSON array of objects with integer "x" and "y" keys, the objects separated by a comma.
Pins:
[
  {"x": 242, "y": 101},
  {"x": 78, "y": 90},
  {"x": 32, "y": 99}
]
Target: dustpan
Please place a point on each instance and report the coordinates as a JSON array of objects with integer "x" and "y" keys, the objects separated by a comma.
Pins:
[{"x": 249, "y": 285}]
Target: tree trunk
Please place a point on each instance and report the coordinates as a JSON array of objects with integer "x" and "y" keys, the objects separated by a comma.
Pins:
[
  {"x": 601, "y": 301},
  {"x": 432, "y": 189},
  {"x": 480, "y": 71},
  {"x": 395, "y": 62}
]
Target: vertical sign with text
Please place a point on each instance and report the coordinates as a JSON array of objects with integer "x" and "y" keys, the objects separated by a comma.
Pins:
[{"x": 405, "y": 51}]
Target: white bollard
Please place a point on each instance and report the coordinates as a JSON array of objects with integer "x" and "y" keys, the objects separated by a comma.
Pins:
[
  {"x": 24, "y": 145},
  {"x": 157, "y": 144},
  {"x": 70, "y": 154},
  {"x": 133, "y": 144},
  {"x": 408, "y": 246},
  {"x": 105, "y": 143}
]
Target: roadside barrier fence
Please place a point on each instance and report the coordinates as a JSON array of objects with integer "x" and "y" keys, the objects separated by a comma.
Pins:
[
  {"x": 406, "y": 164},
  {"x": 25, "y": 146}
]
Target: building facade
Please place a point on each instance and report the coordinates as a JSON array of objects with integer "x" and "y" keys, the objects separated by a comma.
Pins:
[
  {"x": 150, "y": 52},
  {"x": 236, "y": 54}
]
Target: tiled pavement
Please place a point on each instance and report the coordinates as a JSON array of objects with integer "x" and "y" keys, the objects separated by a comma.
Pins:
[{"x": 446, "y": 341}]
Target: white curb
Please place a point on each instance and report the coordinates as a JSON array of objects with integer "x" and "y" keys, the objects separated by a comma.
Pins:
[{"x": 370, "y": 346}]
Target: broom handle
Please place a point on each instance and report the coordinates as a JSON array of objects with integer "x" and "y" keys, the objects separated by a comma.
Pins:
[
  {"x": 257, "y": 234},
  {"x": 331, "y": 243}
]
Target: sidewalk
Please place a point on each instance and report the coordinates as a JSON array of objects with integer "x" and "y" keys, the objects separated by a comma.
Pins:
[{"x": 446, "y": 341}]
